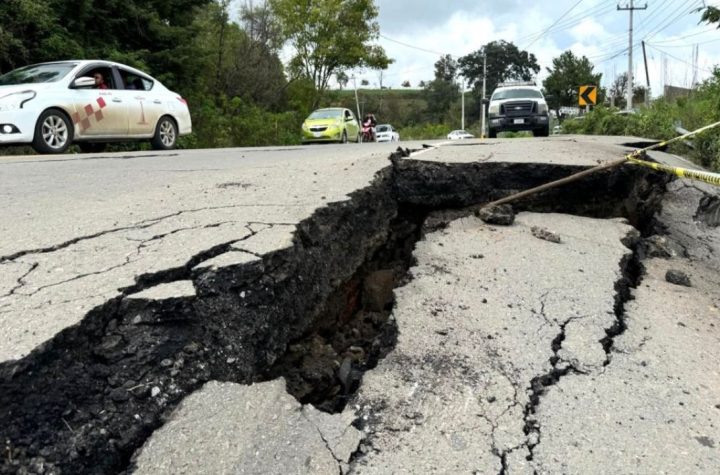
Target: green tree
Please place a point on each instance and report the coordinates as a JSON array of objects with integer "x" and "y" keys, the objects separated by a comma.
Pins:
[
  {"x": 262, "y": 25},
  {"x": 504, "y": 62},
  {"x": 405, "y": 83},
  {"x": 328, "y": 36},
  {"x": 30, "y": 32},
  {"x": 441, "y": 92},
  {"x": 342, "y": 79},
  {"x": 618, "y": 92},
  {"x": 156, "y": 35},
  {"x": 446, "y": 68},
  {"x": 567, "y": 74},
  {"x": 711, "y": 15}
]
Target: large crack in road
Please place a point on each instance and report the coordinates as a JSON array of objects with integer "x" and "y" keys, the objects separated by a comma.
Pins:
[{"x": 317, "y": 313}]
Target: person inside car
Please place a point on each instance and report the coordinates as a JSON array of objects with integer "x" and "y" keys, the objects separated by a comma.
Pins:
[{"x": 99, "y": 81}]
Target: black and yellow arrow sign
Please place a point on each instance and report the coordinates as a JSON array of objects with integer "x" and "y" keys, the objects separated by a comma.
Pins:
[{"x": 588, "y": 96}]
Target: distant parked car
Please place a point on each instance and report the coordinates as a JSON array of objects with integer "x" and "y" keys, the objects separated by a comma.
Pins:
[
  {"x": 333, "y": 124},
  {"x": 53, "y": 105},
  {"x": 386, "y": 133},
  {"x": 460, "y": 135}
]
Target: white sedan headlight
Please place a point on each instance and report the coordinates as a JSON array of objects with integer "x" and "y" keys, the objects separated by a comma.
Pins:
[{"x": 16, "y": 100}]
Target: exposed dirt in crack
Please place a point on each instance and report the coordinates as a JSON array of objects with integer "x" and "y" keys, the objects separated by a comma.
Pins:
[
  {"x": 354, "y": 331},
  {"x": 318, "y": 314}
]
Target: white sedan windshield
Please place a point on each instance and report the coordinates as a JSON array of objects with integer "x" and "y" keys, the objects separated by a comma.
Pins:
[{"x": 37, "y": 74}]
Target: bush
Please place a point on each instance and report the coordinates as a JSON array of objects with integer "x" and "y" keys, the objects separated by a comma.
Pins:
[
  {"x": 425, "y": 132},
  {"x": 236, "y": 123},
  {"x": 658, "y": 121}
]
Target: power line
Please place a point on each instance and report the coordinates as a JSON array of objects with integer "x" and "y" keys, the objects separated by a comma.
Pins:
[
  {"x": 554, "y": 23},
  {"x": 437, "y": 53},
  {"x": 594, "y": 12},
  {"x": 618, "y": 40},
  {"x": 687, "y": 36},
  {"x": 683, "y": 9},
  {"x": 648, "y": 24},
  {"x": 686, "y": 45},
  {"x": 679, "y": 59}
]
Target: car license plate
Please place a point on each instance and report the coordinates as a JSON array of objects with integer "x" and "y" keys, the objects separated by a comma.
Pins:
[
  {"x": 519, "y": 121},
  {"x": 317, "y": 134}
]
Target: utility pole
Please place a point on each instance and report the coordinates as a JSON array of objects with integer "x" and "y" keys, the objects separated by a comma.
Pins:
[
  {"x": 357, "y": 102},
  {"x": 462, "y": 120},
  {"x": 482, "y": 118},
  {"x": 631, "y": 9},
  {"x": 647, "y": 76}
]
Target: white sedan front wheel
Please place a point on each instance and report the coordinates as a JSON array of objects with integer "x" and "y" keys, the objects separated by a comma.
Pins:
[{"x": 53, "y": 132}]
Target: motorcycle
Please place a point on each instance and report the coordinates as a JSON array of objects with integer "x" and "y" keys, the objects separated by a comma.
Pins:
[{"x": 368, "y": 132}]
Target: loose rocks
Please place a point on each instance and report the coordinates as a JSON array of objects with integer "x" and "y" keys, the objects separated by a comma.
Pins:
[
  {"x": 709, "y": 211},
  {"x": 502, "y": 215},
  {"x": 678, "y": 278},
  {"x": 544, "y": 234}
]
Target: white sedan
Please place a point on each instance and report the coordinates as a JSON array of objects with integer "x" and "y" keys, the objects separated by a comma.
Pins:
[
  {"x": 91, "y": 103},
  {"x": 460, "y": 135},
  {"x": 386, "y": 133}
]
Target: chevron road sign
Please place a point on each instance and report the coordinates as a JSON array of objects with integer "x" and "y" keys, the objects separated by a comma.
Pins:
[{"x": 588, "y": 96}]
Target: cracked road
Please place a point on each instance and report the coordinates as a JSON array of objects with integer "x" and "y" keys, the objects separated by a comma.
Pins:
[{"x": 553, "y": 345}]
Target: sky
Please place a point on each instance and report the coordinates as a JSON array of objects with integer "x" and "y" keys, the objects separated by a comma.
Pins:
[
  {"x": 413, "y": 32},
  {"x": 416, "y": 32}
]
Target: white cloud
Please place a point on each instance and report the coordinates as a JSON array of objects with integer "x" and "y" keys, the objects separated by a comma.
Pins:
[{"x": 589, "y": 30}]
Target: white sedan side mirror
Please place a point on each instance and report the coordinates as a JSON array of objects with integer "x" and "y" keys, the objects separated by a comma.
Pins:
[{"x": 83, "y": 82}]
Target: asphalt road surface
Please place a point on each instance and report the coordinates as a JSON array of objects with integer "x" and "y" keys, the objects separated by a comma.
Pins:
[{"x": 146, "y": 297}]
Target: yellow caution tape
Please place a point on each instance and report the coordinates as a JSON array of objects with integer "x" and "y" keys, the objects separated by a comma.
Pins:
[
  {"x": 638, "y": 153},
  {"x": 707, "y": 177}
]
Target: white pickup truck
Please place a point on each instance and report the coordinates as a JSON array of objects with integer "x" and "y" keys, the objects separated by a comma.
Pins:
[{"x": 518, "y": 106}]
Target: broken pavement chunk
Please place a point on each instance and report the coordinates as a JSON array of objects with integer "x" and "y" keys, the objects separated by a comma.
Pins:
[
  {"x": 678, "y": 278},
  {"x": 232, "y": 428},
  {"x": 545, "y": 235},
  {"x": 502, "y": 215}
]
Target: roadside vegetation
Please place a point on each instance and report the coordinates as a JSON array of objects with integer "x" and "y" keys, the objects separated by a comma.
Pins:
[{"x": 661, "y": 118}]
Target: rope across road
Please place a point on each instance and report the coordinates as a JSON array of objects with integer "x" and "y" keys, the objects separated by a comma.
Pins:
[
  {"x": 634, "y": 158},
  {"x": 707, "y": 177}
]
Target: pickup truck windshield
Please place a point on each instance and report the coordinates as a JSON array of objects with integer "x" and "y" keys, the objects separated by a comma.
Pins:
[{"x": 523, "y": 93}]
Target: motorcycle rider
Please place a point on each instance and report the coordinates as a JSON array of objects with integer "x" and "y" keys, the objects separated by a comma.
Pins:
[{"x": 370, "y": 122}]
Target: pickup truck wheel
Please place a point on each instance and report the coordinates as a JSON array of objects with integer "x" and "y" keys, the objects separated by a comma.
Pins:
[
  {"x": 544, "y": 132},
  {"x": 492, "y": 133}
]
